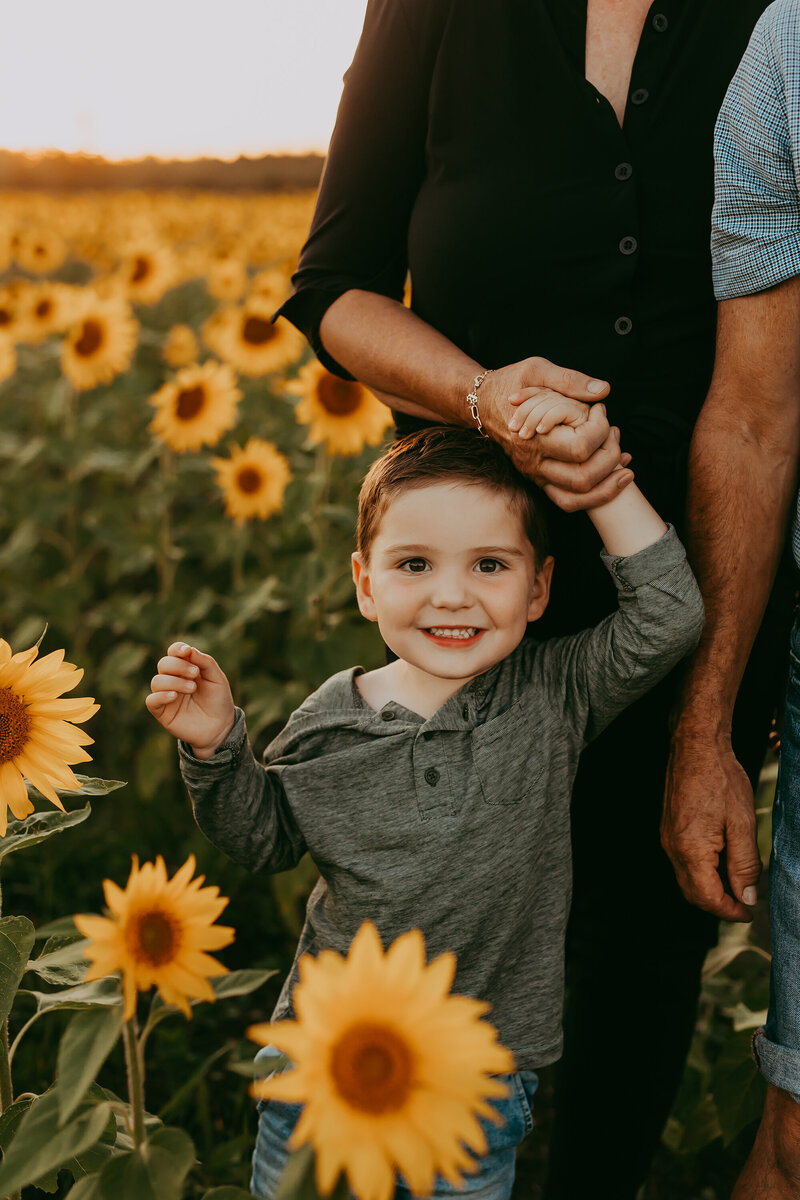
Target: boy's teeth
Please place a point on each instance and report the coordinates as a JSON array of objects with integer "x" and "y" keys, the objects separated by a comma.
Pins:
[{"x": 454, "y": 633}]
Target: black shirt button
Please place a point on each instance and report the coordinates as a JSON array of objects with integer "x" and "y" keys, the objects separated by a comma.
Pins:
[
  {"x": 428, "y": 734},
  {"x": 465, "y": 712},
  {"x": 623, "y": 325},
  {"x": 623, "y": 171},
  {"x": 640, "y": 96},
  {"x": 660, "y": 22},
  {"x": 388, "y": 715},
  {"x": 432, "y": 776},
  {"x": 628, "y": 245}
]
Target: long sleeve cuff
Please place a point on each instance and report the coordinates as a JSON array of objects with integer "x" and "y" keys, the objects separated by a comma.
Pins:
[
  {"x": 226, "y": 757},
  {"x": 636, "y": 570}
]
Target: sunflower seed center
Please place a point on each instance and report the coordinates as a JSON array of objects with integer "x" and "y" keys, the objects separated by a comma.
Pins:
[
  {"x": 153, "y": 937},
  {"x": 141, "y": 269},
  {"x": 372, "y": 1068},
  {"x": 190, "y": 402},
  {"x": 91, "y": 338},
  {"x": 257, "y": 331},
  {"x": 15, "y": 725},
  {"x": 337, "y": 396},
  {"x": 44, "y": 308},
  {"x": 248, "y": 480},
  {"x": 5, "y": 317}
]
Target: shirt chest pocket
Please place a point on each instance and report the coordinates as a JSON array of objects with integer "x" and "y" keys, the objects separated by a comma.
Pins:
[{"x": 509, "y": 754}]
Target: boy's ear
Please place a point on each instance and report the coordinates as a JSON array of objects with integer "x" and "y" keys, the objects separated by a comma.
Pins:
[
  {"x": 541, "y": 589},
  {"x": 363, "y": 583}
]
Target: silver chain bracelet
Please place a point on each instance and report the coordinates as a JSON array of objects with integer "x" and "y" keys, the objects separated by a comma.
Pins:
[{"x": 472, "y": 402}]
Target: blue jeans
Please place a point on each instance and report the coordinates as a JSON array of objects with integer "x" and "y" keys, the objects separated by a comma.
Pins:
[
  {"x": 492, "y": 1181},
  {"x": 777, "y": 1045}
]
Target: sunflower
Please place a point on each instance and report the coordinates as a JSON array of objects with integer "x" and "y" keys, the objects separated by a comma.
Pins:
[
  {"x": 39, "y": 250},
  {"x": 157, "y": 934},
  {"x": 253, "y": 480},
  {"x": 37, "y": 736},
  {"x": 226, "y": 278},
  {"x": 48, "y": 308},
  {"x": 147, "y": 271},
  {"x": 101, "y": 343},
  {"x": 181, "y": 346},
  {"x": 197, "y": 407},
  {"x": 271, "y": 286},
  {"x": 392, "y": 1071},
  {"x": 343, "y": 415},
  {"x": 246, "y": 338}
]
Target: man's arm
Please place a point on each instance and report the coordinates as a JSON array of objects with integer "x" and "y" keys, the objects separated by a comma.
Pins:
[{"x": 742, "y": 481}]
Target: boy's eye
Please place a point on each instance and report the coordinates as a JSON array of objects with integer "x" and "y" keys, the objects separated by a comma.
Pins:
[
  {"x": 414, "y": 565},
  {"x": 490, "y": 566}
]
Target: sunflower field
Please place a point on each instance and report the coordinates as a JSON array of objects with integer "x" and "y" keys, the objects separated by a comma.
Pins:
[{"x": 176, "y": 466}]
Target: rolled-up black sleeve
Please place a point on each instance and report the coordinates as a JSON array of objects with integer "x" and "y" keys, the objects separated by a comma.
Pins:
[{"x": 374, "y": 167}]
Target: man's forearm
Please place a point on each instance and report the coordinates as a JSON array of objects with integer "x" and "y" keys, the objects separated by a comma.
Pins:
[{"x": 742, "y": 479}]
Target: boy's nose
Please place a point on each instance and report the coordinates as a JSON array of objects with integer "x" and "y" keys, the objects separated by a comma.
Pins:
[{"x": 450, "y": 592}]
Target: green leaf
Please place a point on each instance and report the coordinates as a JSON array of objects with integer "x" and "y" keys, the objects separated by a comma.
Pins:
[
  {"x": 40, "y": 826},
  {"x": 86, "y": 995},
  {"x": 63, "y": 956},
  {"x": 67, "y": 974},
  {"x": 61, "y": 927},
  {"x": 235, "y": 983},
  {"x": 85, "y": 1045},
  {"x": 737, "y": 1086},
  {"x": 268, "y": 1065},
  {"x": 39, "y": 1148},
  {"x": 90, "y": 786},
  {"x": 160, "y": 1176},
  {"x": 17, "y": 936}
]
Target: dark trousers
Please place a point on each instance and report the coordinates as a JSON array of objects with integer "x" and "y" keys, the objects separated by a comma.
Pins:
[{"x": 635, "y": 947}]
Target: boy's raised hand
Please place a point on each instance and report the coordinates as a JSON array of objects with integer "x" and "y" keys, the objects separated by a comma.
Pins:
[{"x": 191, "y": 697}]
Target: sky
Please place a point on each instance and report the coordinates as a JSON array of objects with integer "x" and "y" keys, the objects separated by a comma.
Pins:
[{"x": 174, "y": 78}]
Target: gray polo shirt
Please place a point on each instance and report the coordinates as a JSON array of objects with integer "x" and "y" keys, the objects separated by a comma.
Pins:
[{"x": 458, "y": 824}]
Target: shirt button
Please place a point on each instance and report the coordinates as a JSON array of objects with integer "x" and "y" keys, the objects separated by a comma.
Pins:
[
  {"x": 623, "y": 171},
  {"x": 628, "y": 245},
  {"x": 432, "y": 776},
  {"x": 387, "y": 715},
  {"x": 623, "y": 325},
  {"x": 465, "y": 712},
  {"x": 640, "y": 96},
  {"x": 428, "y": 734},
  {"x": 660, "y": 22}
]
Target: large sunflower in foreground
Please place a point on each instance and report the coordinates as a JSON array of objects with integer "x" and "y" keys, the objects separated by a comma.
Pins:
[
  {"x": 38, "y": 739},
  {"x": 392, "y": 1071},
  {"x": 246, "y": 338},
  {"x": 101, "y": 343},
  {"x": 343, "y": 415},
  {"x": 196, "y": 407},
  {"x": 253, "y": 479},
  {"x": 158, "y": 934}
]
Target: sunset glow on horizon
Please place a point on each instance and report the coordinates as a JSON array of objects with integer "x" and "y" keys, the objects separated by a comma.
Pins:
[{"x": 179, "y": 81}]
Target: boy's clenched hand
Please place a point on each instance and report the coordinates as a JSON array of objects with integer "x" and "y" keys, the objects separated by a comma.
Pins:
[{"x": 191, "y": 697}]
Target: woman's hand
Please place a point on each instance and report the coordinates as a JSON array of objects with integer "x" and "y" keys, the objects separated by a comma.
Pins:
[
  {"x": 191, "y": 697},
  {"x": 579, "y": 465}
]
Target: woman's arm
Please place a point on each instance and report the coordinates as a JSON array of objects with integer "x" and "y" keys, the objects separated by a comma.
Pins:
[{"x": 396, "y": 354}]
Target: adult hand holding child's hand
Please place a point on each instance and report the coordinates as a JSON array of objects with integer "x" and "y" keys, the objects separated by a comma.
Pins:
[
  {"x": 576, "y": 462},
  {"x": 191, "y": 697}
]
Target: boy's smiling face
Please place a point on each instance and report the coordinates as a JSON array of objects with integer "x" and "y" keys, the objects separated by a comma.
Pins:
[{"x": 451, "y": 579}]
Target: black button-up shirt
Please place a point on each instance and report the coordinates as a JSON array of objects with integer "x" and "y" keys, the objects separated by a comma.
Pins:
[{"x": 470, "y": 149}]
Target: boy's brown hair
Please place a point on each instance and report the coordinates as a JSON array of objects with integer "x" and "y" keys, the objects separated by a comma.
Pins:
[{"x": 447, "y": 454}]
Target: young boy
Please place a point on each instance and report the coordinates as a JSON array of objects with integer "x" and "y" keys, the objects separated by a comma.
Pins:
[{"x": 434, "y": 792}]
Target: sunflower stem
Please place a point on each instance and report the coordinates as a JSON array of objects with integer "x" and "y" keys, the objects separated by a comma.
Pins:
[
  {"x": 6, "y": 1087},
  {"x": 135, "y": 1067},
  {"x": 166, "y": 559}
]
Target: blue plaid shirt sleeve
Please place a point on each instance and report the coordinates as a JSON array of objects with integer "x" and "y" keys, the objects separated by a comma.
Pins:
[{"x": 755, "y": 237}]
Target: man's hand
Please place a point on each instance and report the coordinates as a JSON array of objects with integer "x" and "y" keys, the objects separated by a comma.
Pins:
[
  {"x": 577, "y": 465},
  {"x": 708, "y": 810}
]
